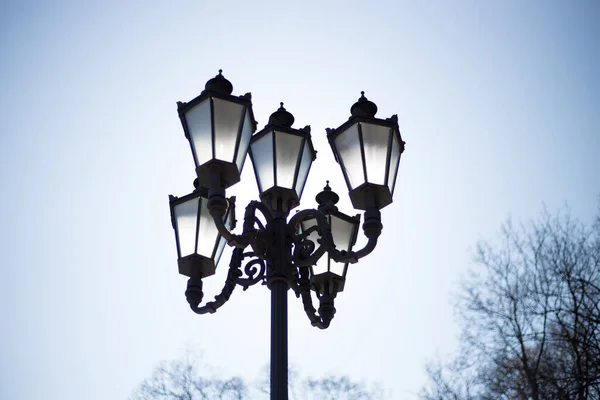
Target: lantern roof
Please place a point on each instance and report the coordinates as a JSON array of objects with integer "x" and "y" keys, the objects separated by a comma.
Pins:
[
  {"x": 282, "y": 117},
  {"x": 363, "y": 107},
  {"x": 327, "y": 199},
  {"x": 219, "y": 84}
]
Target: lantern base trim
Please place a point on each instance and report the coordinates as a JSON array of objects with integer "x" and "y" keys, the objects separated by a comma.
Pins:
[
  {"x": 360, "y": 198},
  {"x": 228, "y": 171},
  {"x": 196, "y": 266},
  {"x": 280, "y": 199},
  {"x": 327, "y": 283}
]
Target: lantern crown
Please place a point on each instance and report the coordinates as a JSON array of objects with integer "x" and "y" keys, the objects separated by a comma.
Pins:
[
  {"x": 219, "y": 84},
  {"x": 327, "y": 199},
  {"x": 363, "y": 107},
  {"x": 282, "y": 117}
]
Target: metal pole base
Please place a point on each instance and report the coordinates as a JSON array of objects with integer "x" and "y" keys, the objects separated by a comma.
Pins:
[{"x": 279, "y": 341}]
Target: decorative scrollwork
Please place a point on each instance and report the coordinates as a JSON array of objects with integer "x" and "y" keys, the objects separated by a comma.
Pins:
[
  {"x": 255, "y": 271},
  {"x": 304, "y": 249}
]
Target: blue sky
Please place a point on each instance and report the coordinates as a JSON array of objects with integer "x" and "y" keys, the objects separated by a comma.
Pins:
[{"x": 497, "y": 101}]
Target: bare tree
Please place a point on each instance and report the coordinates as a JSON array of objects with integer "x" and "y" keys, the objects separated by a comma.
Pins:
[
  {"x": 339, "y": 388},
  {"x": 181, "y": 380},
  {"x": 530, "y": 317}
]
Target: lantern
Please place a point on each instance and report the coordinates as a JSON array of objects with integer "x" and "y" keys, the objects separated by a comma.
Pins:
[
  {"x": 368, "y": 150},
  {"x": 199, "y": 244},
  {"x": 218, "y": 127}
]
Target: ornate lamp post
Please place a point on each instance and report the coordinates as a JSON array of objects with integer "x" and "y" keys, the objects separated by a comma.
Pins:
[{"x": 284, "y": 252}]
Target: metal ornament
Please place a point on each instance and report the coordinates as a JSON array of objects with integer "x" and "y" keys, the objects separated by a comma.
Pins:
[{"x": 275, "y": 249}]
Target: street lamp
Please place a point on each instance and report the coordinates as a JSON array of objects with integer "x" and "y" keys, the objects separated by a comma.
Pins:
[{"x": 282, "y": 252}]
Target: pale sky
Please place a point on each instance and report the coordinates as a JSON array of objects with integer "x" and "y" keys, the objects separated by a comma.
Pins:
[{"x": 497, "y": 102}]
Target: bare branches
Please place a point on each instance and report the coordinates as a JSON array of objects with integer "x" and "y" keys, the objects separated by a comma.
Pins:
[
  {"x": 181, "y": 379},
  {"x": 340, "y": 388},
  {"x": 530, "y": 315}
]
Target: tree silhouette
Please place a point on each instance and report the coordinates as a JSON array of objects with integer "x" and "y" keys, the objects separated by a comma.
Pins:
[
  {"x": 183, "y": 379},
  {"x": 530, "y": 317}
]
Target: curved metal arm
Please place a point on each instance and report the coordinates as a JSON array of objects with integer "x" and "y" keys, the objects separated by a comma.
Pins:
[
  {"x": 301, "y": 216},
  {"x": 217, "y": 207},
  {"x": 194, "y": 289},
  {"x": 326, "y": 308},
  {"x": 372, "y": 228}
]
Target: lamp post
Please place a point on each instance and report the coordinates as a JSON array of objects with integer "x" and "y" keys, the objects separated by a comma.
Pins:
[{"x": 309, "y": 251}]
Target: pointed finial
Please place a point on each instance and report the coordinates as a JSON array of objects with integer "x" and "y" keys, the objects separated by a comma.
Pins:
[
  {"x": 327, "y": 199},
  {"x": 281, "y": 117},
  {"x": 219, "y": 84},
  {"x": 363, "y": 107}
]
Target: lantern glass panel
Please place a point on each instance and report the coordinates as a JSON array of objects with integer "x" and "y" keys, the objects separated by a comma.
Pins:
[
  {"x": 227, "y": 116},
  {"x": 218, "y": 250},
  {"x": 347, "y": 144},
  {"x": 305, "y": 163},
  {"x": 287, "y": 149},
  {"x": 262, "y": 158},
  {"x": 336, "y": 267},
  {"x": 394, "y": 162},
  {"x": 186, "y": 217},
  {"x": 375, "y": 141},
  {"x": 244, "y": 141},
  {"x": 207, "y": 231},
  {"x": 343, "y": 233},
  {"x": 198, "y": 121},
  {"x": 196, "y": 231}
]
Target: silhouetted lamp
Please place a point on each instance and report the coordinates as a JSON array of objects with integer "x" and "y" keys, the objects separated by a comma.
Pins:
[
  {"x": 306, "y": 252},
  {"x": 327, "y": 275},
  {"x": 218, "y": 127},
  {"x": 368, "y": 150},
  {"x": 199, "y": 244},
  {"x": 282, "y": 157}
]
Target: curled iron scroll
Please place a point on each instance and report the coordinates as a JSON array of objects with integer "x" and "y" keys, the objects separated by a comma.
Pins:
[{"x": 254, "y": 270}]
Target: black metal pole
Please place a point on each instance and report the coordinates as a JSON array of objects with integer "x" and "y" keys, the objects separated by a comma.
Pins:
[
  {"x": 279, "y": 341},
  {"x": 277, "y": 280}
]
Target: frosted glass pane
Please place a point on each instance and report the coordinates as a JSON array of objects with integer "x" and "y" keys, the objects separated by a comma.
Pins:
[
  {"x": 304, "y": 168},
  {"x": 186, "y": 215},
  {"x": 375, "y": 141},
  {"x": 395, "y": 158},
  {"x": 198, "y": 122},
  {"x": 348, "y": 147},
  {"x": 321, "y": 266},
  {"x": 222, "y": 241},
  {"x": 342, "y": 232},
  {"x": 207, "y": 231},
  {"x": 337, "y": 268},
  {"x": 228, "y": 117},
  {"x": 219, "y": 251},
  {"x": 287, "y": 152},
  {"x": 244, "y": 141},
  {"x": 262, "y": 158}
]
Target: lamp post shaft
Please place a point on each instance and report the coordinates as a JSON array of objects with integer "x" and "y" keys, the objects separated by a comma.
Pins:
[
  {"x": 279, "y": 341},
  {"x": 278, "y": 271}
]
